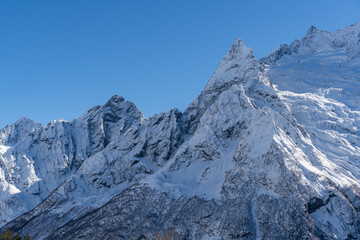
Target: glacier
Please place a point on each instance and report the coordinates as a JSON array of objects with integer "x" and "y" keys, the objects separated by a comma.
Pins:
[{"x": 270, "y": 149}]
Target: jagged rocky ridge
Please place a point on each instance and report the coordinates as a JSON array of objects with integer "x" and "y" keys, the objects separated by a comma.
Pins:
[{"x": 269, "y": 150}]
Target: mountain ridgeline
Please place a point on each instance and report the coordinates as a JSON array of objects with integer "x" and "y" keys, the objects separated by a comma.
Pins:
[{"x": 270, "y": 149}]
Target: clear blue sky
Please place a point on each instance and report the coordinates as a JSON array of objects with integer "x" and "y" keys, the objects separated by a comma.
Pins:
[{"x": 59, "y": 58}]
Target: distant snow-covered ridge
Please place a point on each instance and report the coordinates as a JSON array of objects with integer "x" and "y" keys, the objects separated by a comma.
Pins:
[{"x": 269, "y": 150}]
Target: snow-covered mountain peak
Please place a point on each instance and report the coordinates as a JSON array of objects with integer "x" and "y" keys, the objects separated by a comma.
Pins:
[
  {"x": 237, "y": 70},
  {"x": 238, "y": 52},
  {"x": 312, "y": 30},
  {"x": 114, "y": 100},
  {"x": 13, "y": 133},
  {"x": 317, "y": 40},
  {"x": 345, "y": 42},
  {"x": 24, "y": 120},
  {"x": 47, "y": 155},
  {"x": 325, "y": 63},
  {"x": 117, "y": 106},
  {"x": 237, "y": 66}
]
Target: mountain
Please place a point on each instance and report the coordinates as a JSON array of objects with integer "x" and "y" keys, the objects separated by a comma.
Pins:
[
  {"x": 270, "y": 149},
  {"x": 36, "y": 159}
]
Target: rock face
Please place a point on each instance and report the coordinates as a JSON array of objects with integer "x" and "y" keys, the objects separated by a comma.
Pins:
[
  {"x": 36, "y": 159},
  {"x": 269, "y": 150}
]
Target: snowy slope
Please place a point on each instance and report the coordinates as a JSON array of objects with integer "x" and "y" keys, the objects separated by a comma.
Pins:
[
  {"x": 269, "y": 150},
  {"x": 319, "y": 80},
  {"x": 36, "y": 159}
]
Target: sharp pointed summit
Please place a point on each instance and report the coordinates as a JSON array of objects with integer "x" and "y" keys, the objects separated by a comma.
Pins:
[
  {"x": 312, "y": 30},
  {"x": 238, "y": 65},
  {"x": 238, "y": 52},
  {"x": 115, "y": 100}
]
